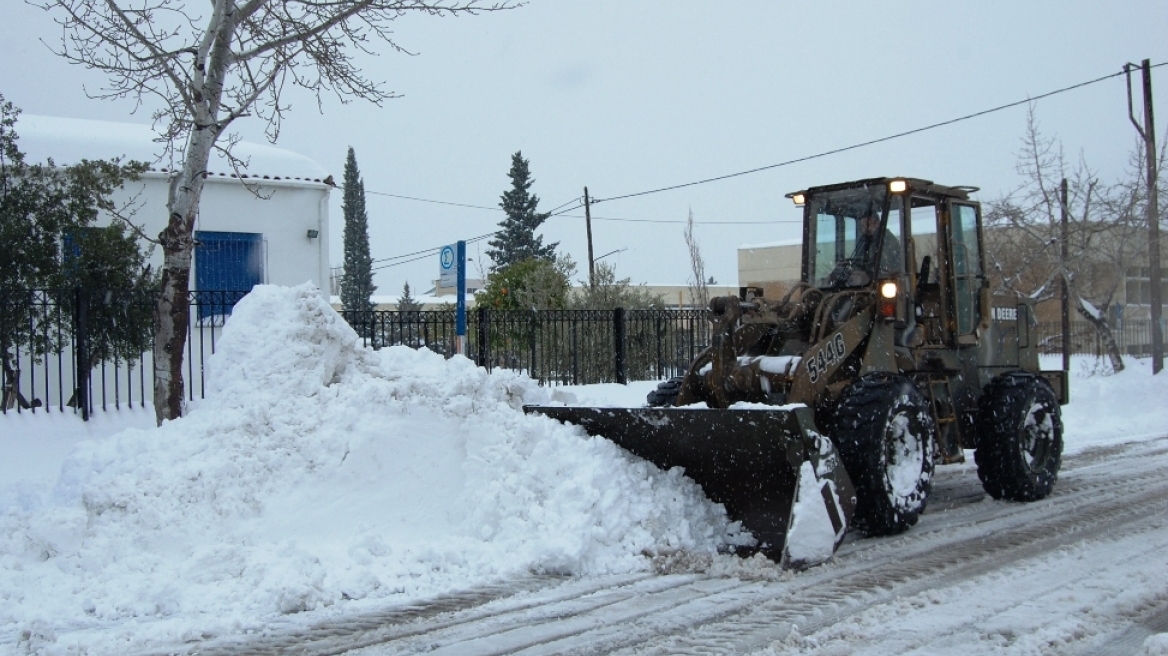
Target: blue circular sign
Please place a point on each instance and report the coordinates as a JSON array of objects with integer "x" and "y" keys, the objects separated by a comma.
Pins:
[{"x": 447, "y": 257}]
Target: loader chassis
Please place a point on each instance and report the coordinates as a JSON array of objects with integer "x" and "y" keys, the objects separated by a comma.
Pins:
[{"x": 895, "y": 342}]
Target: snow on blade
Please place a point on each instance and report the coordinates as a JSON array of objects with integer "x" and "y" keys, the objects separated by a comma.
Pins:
[
  {"x": 811, "y": 538},
  {"x": 316, "y": 472}
]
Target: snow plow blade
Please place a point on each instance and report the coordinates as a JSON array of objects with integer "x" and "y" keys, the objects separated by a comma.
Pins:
[{"x": 771, "y": 469}]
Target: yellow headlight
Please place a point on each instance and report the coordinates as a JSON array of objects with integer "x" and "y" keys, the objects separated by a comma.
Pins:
[
  {"x": 888, "y": 289},
  {"x": 897, "y": 186},
  {"x": 798, "y": 198}
]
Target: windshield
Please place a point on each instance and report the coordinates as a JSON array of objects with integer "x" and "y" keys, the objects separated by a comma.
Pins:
[{"x": 850, "y": 227}]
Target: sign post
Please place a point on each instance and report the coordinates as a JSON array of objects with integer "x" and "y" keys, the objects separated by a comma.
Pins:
[
  {"x": 460, "y": 315},
  {"x": 452, "y": 273}
]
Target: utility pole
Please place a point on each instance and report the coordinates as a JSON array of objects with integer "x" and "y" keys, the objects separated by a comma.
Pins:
[
  {"x": 1148, "y": 133},
  {"x": 1066, "y": 294},
  {"x": 588, "y": 225}
]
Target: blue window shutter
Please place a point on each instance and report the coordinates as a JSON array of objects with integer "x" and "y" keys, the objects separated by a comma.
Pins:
[{"x": 227, "y": 262}]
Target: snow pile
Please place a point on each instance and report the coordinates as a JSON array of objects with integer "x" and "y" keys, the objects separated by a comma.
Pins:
[
  {"x": 1155, "y": 645},
  {"x": 1112, "y": 408},
  {"x": 319, "y": 471}
]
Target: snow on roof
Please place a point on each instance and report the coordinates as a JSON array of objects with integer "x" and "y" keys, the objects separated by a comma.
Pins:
[
  {"x": 69, "y": 140},
  {"x": 773, "y": 244}
]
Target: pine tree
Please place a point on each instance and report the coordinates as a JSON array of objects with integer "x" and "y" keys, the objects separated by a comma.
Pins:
[
  {"x": 357, "y": 283},
  {"x": 406, "y": 302},
  {"x": 517, "y": 241},
  {"x": 409, "y": 317}
]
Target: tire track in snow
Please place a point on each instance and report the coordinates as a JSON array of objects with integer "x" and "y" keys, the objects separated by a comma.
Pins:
[
  {"x": 964, "y": 536},
  {"x": 946, "y": 563}
]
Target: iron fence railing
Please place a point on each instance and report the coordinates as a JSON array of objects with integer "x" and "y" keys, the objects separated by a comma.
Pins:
[
  {"x": 1134, "y": 337},
  {"x": 559, "y": 347},
  {"x": 47, "y": 335}
]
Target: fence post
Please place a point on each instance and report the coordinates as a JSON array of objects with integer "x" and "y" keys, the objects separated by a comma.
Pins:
[
  {"x": 81, "y": 349},
  {"x": 618, "y": 337},
  {"x": 483, "y": 336},
  {"x": 659, "y": 334},
  {"x": 531, "y": 369}
]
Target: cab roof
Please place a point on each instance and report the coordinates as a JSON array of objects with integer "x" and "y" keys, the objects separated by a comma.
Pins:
[{"x": 918, "y": 186}]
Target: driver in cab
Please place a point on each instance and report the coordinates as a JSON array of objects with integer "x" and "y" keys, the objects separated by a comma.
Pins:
[{"x": 867, "y": 242}]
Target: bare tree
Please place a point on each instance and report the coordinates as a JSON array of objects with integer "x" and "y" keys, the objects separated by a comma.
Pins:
[
  {"x": 1025, "y": 252},
  {"x": 699, "y": 292},
  {"x": 207, "y": 65}
]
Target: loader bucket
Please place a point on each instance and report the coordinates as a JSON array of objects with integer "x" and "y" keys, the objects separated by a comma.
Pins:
[{"x": 770, "y": 468}]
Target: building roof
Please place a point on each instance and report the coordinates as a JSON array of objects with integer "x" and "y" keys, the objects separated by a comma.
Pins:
[
  {"x": 69, "y": 140},
  {"x": 797, "y": 241}
]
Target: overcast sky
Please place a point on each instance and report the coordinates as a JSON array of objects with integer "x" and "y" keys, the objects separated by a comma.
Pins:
[{"x": 630, "y": 95}]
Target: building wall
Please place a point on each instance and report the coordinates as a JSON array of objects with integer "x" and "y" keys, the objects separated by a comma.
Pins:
[
  {"x": 282, "y": 212},
  {"x": 285, "y": 196},
  {"x": 681, "y": 296}
]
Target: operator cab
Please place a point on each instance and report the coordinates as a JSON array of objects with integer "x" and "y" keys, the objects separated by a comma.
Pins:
[{"x": 881, "y": 233}]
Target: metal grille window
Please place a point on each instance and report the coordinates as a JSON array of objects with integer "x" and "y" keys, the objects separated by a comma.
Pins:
[{"x": 227, "y": 261}]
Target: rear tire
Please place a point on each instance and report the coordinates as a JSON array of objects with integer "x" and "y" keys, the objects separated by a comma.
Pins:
[
  {"x": 1020, "y": 437},
  {"x": 885, "y": 434},
  {"x": 666, "y": 393}
]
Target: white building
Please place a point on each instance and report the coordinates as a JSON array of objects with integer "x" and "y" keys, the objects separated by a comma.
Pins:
[{"x": 266, "y": 224}]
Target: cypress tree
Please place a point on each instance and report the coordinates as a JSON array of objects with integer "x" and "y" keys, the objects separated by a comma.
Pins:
[
  {"x": 357, "y": 283},
  {"x": 516, "y": 240}
]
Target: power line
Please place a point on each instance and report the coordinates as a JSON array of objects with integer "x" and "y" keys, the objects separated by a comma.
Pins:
[
  {"x": 557, "y": 211},
  {"x": 626, "y": 220},
  {"x": 423, "y": 254},
  {"x": 436, "y": 202},
  {"x": 867, "y": 143},
  {"x": 398, "y": 257}
]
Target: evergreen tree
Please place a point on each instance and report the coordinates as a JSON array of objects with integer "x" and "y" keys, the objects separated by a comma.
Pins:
[
  {"x": 409, "y": 318},
  {"x": 517, "y": 241},
  {"x": 357, "y": 283},
  {"x": 407, "y": 303}
]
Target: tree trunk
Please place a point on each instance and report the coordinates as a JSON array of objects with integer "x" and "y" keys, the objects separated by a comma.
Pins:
[
  {"x": 172, "y": 315},
  {"x": 1104, "y": 333}
]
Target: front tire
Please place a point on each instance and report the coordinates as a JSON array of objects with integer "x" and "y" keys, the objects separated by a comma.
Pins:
[
  {"x": 1020, "y": 438},
  {"x": 666, "y": 393},
  {"x": 885, "y": 434}
]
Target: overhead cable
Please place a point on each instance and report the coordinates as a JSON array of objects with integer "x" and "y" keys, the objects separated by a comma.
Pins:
[{"x": 866, "y": 143}]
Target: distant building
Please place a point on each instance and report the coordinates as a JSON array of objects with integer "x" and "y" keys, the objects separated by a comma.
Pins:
[
  {"x": 268, "y": 223},
  {"x": 428, "y": 301},
  {"x": 681, "y": 296},
  {"x": 472, "y": 285}
]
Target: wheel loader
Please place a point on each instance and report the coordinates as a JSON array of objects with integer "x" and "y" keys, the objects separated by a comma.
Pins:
[{"x": 829, "y": 407}]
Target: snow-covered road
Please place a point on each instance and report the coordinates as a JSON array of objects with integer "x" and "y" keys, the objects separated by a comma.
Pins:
[{"x": 1082, "y": 572}]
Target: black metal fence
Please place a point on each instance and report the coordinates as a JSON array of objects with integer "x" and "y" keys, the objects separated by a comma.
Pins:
[
  {"x": 558, "y": 347},
  {"x": 47, "y": 335},
  {"x": 1134, "y": 337}
]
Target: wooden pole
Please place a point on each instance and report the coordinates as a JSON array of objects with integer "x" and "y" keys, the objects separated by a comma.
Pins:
[
  {"x": 1066, "y": 295},
  {"x": 588, "y": 225},
  {"x": 1153, "y": 223},
  {"x": 1148, "y": 133}
]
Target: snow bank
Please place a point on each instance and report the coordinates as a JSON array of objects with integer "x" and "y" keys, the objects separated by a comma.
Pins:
[
  {"x": 318, "y": 471},
  {"x": 1108, "y": 408}
]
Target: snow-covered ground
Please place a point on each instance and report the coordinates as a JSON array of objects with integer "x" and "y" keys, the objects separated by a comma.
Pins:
[{"x": 321, "y": 477}]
